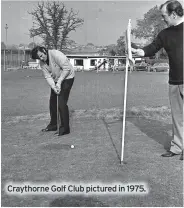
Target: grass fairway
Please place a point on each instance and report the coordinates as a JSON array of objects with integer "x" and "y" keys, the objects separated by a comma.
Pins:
[
  {"x": 27, "y": 93},
  {"x": 96, "y": 103}
]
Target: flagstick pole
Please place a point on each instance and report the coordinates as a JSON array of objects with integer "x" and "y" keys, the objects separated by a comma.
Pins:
[{"x": 124, "y": 109}]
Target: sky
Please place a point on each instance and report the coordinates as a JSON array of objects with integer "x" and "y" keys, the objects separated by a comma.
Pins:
[{"x": 104, "y": 21}]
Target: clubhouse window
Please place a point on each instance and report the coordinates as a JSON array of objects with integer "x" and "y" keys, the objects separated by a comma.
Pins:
[
  {"x": 92, "y": 62},
  {"x": 79, "y": 62}
]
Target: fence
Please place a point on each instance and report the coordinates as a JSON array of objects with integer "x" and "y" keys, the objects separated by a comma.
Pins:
[{"x": 14, "y": 59}]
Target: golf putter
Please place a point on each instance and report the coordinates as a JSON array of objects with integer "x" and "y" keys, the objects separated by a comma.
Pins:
[{"x": 58, "y": 114}]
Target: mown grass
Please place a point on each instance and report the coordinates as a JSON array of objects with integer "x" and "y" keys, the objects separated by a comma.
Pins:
[
  {"x": 27, "y": 93},
  {"x": 96, "y": 125},
  {"x": 153, "y": 113}
]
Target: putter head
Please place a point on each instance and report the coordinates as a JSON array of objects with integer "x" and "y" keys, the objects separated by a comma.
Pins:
[{"x": 56, "y": 133}]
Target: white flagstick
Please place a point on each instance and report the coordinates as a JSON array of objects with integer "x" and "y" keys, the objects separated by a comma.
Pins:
[
  {"x": 128, "y": 58},
  {"x": 124, "y": 109}
]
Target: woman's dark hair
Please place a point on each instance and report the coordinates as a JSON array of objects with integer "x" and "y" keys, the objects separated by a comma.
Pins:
[
  {"x": 173, "y": 6},
  {"x": 34, "y": 52}
]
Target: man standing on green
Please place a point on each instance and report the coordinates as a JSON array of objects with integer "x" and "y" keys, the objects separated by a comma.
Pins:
[
  {"x": 59, "y": 74},
  {"x": 171, "y": 39}
]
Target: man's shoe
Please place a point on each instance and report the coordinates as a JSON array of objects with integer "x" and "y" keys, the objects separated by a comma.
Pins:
[
  {"x": 168, "y": 154},
  {"x": 50, "y": 128},
  {"x": 181, "y": 157},
  {"x": 62, "y": 131}
]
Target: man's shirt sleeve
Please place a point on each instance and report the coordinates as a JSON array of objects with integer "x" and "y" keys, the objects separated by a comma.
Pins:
[
  {"x": 154, "y": 47},
  {"x": 48, "y": 76}
]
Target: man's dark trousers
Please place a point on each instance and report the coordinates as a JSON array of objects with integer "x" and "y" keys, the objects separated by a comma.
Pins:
[{"x": 66, "y": 86}]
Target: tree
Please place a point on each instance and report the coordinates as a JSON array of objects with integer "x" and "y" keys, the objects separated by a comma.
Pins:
[
  {"x": 90, "y": 44},
  {"x": 103, "y": 52},
  {"x": 31, "y": 45},
  {"x": 13, "y": 47},
  {"x": 72, "y": 43},
  {"x": 3, "y": 46},
  {"x": 112, "y": 52},
  {"x": 121, "y": 46},
  {"x": 21, "y": 45},
  {"x": 53, "y": 23},
  {"x": 149, "y": 27},
  {"x": 109, "y": 50}
]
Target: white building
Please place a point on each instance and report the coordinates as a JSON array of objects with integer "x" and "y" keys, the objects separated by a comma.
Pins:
[{"x": 90, "y": 62}]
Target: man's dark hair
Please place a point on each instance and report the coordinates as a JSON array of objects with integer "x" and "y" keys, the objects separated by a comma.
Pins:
[
  {"x": 34, "y": 52},
  {"x": 173, "y": 6}
]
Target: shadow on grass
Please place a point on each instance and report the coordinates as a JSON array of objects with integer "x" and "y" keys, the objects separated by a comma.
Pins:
[
  {"x": 76, "y": 201},
  {"x": 155, "y": 130},
  {"x": 56, "y": 146},
  {"x": 112, "y": 140}
]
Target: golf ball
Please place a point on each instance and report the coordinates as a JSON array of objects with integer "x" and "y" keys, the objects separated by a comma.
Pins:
[{"x": 72, "y": 146}]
